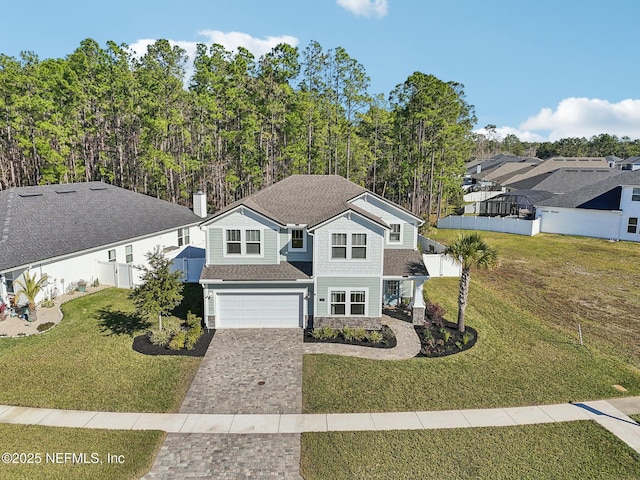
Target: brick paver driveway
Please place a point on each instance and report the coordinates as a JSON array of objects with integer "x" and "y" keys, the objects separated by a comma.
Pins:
[
  {"x": 238, "y": 361},
  {"x": 244, "y": 371}
]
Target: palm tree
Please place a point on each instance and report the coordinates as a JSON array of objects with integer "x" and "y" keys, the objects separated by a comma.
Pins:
[
  {"x": 30, "y": 288},
  {"x": 471, "y": 251}
]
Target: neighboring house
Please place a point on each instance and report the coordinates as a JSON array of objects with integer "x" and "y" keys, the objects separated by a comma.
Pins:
[
  {"x": 608, "y": 209},
  {"x": 556, "y": 163},
  {"x": 88, "y": 231},
  {"x": 564, "y": 180},
  {"x": 311, "y": 250},
  {"x": 632, "y": 164}
]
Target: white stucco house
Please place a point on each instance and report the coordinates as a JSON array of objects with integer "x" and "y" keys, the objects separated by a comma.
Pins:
[
  {"x": 311, "y": 250},
  {"x": 607, "y": 209},
  {"x": 88, "y": 231}
]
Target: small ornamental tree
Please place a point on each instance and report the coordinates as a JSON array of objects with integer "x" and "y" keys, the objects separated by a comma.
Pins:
[
  {"x": 31, "y": 288},
  {"x": 471, "y": 251},
  {"x": 160, "y": 291}
]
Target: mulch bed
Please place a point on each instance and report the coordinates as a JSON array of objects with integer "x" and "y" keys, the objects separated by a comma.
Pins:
[
  {"x": 436, "y": 346},
  {"x": 141, "y": 344},
  {"x": 388, "y": 341}
]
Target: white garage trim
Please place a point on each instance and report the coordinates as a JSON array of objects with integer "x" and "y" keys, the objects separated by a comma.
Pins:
[{"x": 264, "y": 308}]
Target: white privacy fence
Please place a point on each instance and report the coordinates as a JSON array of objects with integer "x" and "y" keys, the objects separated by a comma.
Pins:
[
  {"x": 514, "y": 225},
  {"x": 438, "y": 264}
]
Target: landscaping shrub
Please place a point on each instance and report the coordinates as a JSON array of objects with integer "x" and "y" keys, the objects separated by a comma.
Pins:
[
  {"x": 325, "y": 333},
  {"x": 159, "y": 337},
  {"x": 193, "y": 320},
  {"x": 193, "y": 335},
  {"x": 373, "y": 336},
  {"x": 435, "y": 313},
  {"x": 360, "y": 334},
  {"x": 348, "y": 333},
  {"x": 178, "y": 340},
  {"x": 47, "y": 303},
  {"x": 43, "y": 327},
  {"x": 171, "y": 324},
  {"x": 467, "y": 337}
]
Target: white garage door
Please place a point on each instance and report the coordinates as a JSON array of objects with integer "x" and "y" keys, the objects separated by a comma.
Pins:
[{"x": 255, "y": 310}]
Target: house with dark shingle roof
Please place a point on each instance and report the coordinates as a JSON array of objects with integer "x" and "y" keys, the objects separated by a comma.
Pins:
[
  {"x": 311, "y": 250},
  {"x": 88, "y": 231},
  {"x": 632, "y": 163},
  {"x": 609, "y": 208}
]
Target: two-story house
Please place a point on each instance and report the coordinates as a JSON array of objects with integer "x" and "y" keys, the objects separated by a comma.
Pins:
[{"x": 311, "y": 250}]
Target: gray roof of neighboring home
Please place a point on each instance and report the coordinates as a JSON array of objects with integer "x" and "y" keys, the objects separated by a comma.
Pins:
[
  {"x": 565, "y": 180},
  {"x": 47, "y": 221},
  {"x": 498, "y": 160},
  {"x": 404, "y": 263},
  {"x": 603, "y": 195},
  {"x": 282, "y": 271},
  {"x": 559, "y": 162},
  {"x": 630, "y": 161},
  {"x": 306, "y": 199}
]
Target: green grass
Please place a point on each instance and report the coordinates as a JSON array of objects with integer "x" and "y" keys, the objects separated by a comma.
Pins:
[
  {"x": 564, "y": 281},
  {"x": 516, "y": 361},
  {"x": 575, "y": 450},
  {"x": 87, "y": 362},
  {"x": 137, "y": 448},
  {"x": 635, "y": 417}
]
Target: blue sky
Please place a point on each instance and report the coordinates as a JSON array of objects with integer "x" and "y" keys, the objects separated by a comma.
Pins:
[{"x": 541, "y": 70}]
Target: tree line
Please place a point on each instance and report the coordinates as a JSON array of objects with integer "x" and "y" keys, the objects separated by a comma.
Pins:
[
  {"x": 603, "y": 145},
  {"x": 238, "y": 124}
]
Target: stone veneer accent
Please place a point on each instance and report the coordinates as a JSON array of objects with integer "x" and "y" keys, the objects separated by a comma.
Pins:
[
  {"x": 368, "y": 323},
  {"x": 417, "y": 315}
]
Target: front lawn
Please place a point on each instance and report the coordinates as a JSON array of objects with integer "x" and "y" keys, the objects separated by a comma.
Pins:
[
  {"x": 517, "y": 360},
  {"x": 574, "y": 450},
  {"x": 87, "y": 362},
  {"x": 132, "y": 453}
]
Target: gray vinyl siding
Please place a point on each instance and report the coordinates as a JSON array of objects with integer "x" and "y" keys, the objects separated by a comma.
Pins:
[
  {"x": 374, "y": 299},
  {"x": 288, "y": 256},
  {"x": 391, "y": 215},
  {"x": 409, "y": 235},
  {"x": 210, "y": 289},
  {"x": 216, "y": 247}
]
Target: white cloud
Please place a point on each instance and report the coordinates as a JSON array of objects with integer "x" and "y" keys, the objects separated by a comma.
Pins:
[
  {"x": 258, "y": 46},
  {"x": 366, "y": 8},
  {"x": 230, "y": 41},
  {"x": 586, "y": 117}
]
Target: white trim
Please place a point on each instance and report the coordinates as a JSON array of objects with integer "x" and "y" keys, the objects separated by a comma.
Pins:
[
  {"x": 388, "y": 234},
  {"x": 213, "y": 220},
  {"x": 304, "y": 292},
  {"x": 388, "y": 202},
  {"x": 349, "y": 211},
  {"x": 304, "y": 240},
  {"x": 348, "y": 291}
]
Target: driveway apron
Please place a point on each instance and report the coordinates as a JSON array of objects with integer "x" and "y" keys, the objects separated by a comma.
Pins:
[{"x": 245, "y": 371}]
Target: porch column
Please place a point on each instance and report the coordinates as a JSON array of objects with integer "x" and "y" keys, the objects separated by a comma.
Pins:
[{"x": 417, "y": 312}]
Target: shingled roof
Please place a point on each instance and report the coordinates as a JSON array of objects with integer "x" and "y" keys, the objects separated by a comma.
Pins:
[
  {"x": 48, "y": 221},
  {"x": 602, "y": 195},
  {"x": 565, "y": 180},
  {"x": 305, "y": 199}
]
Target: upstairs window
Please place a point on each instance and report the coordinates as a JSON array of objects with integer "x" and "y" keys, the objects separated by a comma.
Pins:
[
  {"x": 339, "y": 245},
  {"x": 394, "y": 234},
  {"x": 358, "y": 245},
  {"x": 632, "y": 226},
  {"x": 252, "y": 242},
  {"x": 635, "y": 195},
  {"x": 128, "y": 253},
  {"x": 234, "y": 242},
  {"x": 183, "y": 236},
  {"x": 111, "y": 255},
  {"x": 297, "y": 239}
]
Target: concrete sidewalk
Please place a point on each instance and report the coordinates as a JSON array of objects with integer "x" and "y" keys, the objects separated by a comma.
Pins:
[{"x": 603, "y": 412}]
